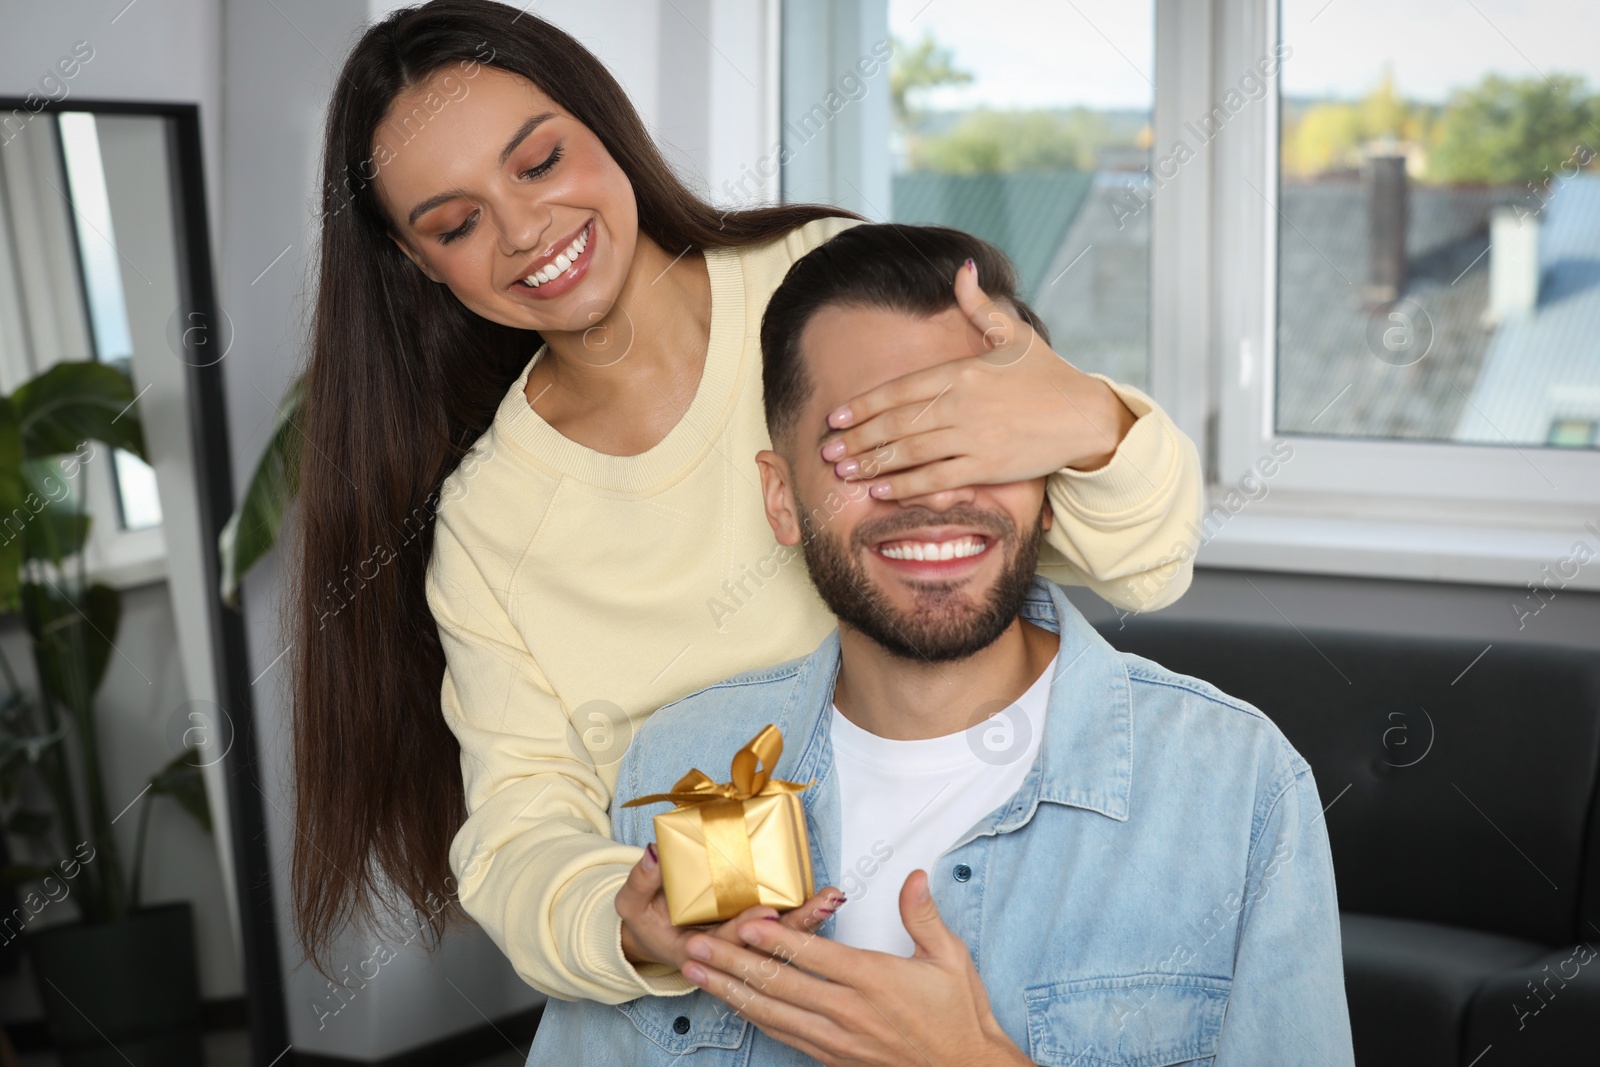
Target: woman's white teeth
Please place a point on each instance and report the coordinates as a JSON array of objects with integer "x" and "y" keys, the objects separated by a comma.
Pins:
[
  {"x": 563, "y": 261},
  {"x": 960, "y": 548}
]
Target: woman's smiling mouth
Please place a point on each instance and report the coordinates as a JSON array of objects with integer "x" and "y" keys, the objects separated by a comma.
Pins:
[{"x": 553, "y": 274}]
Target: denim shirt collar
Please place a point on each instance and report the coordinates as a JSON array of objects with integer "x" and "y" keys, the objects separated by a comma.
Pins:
[{"x": 1085, "y": 758}]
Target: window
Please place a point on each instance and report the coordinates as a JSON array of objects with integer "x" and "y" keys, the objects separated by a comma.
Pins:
[
  {"x": 1440, "y": 232},
  {"x": 139, "y": 506},
  {"x": 1388, "y": 300},
  {"x": 1348, "y": 242},
  {"x": 1572, "y": 433},
  {"x": 1038, "y": 142}
]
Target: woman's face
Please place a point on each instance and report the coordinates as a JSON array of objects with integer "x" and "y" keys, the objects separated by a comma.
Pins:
[{"x": 488, "y": 182}]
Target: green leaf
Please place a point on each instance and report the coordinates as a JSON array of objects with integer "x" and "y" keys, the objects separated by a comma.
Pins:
[
  {"x": 75, "y": 402},
  {"x": 55, "y": 534},
  {"x": 253, "y": 529},
  {"x": 30, "y": 823},
  {"x": 57, "y": 526},
  {"x": 72, "y": 638},
  {"x": 182, "y": 781}
]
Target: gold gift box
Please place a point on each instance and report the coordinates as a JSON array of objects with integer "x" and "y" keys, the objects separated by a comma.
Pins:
[{"x": 733, "y": 845}]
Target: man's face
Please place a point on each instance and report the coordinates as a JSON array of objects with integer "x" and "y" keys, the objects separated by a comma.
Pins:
[{"x": 931, "y": 578}]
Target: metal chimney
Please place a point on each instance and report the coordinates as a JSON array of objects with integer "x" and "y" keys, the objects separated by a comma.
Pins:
[
  {"x": 1513, "y": 264},
  {"x": 1385, "y": 180}
]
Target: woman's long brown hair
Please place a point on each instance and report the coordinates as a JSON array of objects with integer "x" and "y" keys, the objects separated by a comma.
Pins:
[{"x": 402, "y": 379}]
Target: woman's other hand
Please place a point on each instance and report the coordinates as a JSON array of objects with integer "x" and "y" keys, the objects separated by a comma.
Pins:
[{"x": 648, "y": 935}]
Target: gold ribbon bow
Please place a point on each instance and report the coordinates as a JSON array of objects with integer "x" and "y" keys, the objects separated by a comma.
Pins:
[
  {"x": 752, "y": 777},
  {"x": 721, "y": 808}
]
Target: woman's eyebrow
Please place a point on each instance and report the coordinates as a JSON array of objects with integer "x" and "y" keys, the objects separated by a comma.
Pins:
[
  {"x": 505, "y": 154},
  {"x": 522, "y": 132},
  {"x": 431, "y": 203}
]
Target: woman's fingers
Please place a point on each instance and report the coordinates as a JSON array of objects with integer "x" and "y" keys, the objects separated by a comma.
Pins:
[
  {"x": 642, "y": 940},
  {"x": 814, "y": 912},
  {"x": 805, "y": 918},
  {"x": 728, "y": 931},
  {"x": 641, "y": 886}
]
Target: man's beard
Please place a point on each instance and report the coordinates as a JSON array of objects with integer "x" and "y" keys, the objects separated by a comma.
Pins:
[{"x": 944, "y": 624}]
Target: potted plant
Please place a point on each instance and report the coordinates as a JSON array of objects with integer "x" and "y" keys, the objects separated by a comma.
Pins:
[{"x": 119, "y": 984}]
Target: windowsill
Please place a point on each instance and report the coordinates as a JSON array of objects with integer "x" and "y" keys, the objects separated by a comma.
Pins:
[
  {"x": 128, "y": 558},
  {"x": 129, "y": 574},
  {"x": 123, "y": 576},
  {"x": 1439, "y": 542}
]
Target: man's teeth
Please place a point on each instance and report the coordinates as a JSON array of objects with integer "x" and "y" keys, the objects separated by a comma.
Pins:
[
  {"x": 565, "y": 259},
  {"x": 960, "y": 548}
]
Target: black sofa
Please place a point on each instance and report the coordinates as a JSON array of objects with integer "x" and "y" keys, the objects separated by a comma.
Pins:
[{"x": 1464, "y": 818}]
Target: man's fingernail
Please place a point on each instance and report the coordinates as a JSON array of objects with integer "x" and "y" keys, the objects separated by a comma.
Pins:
[
  {"x": 697, "y": 975},
  {"x": 750, "y": 935},
  {"x": 700, "y": 950}
]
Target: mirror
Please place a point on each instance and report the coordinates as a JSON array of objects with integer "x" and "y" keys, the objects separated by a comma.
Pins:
[{"x": 126, "y": 722}]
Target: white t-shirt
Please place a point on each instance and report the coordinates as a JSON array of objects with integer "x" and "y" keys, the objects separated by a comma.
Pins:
[{"x": 903, "y": 803}]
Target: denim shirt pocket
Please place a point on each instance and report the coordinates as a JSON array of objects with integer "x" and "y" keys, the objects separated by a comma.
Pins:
[
  {"x": 1138, "y": 1020},
  {"x": 685, "y": 1024}
]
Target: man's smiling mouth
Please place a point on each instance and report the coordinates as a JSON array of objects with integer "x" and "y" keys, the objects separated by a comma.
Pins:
[{"x": 963, "y": 547}]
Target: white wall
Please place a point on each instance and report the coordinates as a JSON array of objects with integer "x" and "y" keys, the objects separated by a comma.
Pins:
[{"x": 153, "y": 50}]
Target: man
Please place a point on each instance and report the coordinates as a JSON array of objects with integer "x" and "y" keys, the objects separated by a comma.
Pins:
[{"x": 1057, "y": 853}]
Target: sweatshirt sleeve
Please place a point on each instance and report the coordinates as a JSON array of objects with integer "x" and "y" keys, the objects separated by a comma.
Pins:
[
  {"x": 534, "y": 863},
  {"x": 1129, "y": 530}
]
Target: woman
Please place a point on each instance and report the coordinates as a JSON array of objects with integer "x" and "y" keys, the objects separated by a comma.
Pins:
[{"x": 532, "y": 408}]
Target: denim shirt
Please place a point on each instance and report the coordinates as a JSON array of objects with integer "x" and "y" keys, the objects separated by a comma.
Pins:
[{"x": 1158, "y": 891}]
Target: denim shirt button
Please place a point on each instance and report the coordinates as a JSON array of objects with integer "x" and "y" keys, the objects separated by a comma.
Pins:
[
  {"x": 680, "y": 1025},
  {"x": 962, "y": 872}
]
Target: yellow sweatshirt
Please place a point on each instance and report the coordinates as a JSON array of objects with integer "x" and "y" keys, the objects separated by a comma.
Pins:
[{"x": 576, "y": 592}]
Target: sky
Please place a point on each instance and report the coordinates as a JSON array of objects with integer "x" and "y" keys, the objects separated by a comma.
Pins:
[
  {"x": 1097, "y": 53},
  {"x": 1037, "y": 53}
]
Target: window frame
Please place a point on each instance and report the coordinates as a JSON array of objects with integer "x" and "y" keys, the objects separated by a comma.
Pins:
[{"x": 1438, "y": 511}]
